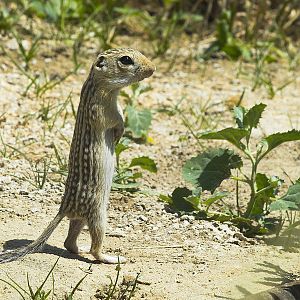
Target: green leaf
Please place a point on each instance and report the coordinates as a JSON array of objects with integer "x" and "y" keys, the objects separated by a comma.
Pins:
[
  {"x": 282, "y": 205},
  {"x": 209, "y": 169},
  {"x": 145, "y": 163},
  {"x": 293, "y": 194},
  {"x": 233, "y": 50},
  {"x": 183, "y": 200},
  {"x": 267, "y": 189},
  {"x": 276, "y": 139},
  {"x": 138, "y": 122},
  {"x": 232, "y": 135},
  {"x": 238, "y": 114},
  {"x": 291, "y": 200},
  {"x": 248, "y": 119},
  {"x": 252, "y": 117},
  {"x": 122, "y": 146},
  {"x": 215, "y": 197},
  {"x": 165, "y": 198}
]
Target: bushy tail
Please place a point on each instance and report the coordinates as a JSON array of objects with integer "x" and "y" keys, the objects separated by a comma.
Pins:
[{"x": 35, "y": 246}]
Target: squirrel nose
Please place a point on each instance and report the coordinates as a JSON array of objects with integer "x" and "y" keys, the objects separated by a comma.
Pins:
[{"x": 150, "y": 69}]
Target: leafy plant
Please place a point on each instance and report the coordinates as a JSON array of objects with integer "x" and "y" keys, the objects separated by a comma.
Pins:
[
  {"x": 183, "y": 199},
  {"x": 264, "y": 54},
  {"x": 56, "y": 11},
  {"x": 8, "y": 18},
  {"x": 209, "y": 169},
  {"x": 225, "y": 39},
  {"x": 126, "y": 174},
  {"x": 39, "y": 293},
  {"x": 137, "y": 121},
  {"x": 289, "y": 207}
]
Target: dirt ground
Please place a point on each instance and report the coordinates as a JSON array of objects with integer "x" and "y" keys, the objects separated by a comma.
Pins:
[{"x": 177, "y": 257}]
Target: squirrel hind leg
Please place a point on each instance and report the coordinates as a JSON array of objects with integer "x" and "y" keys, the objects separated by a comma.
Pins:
[
  {"x": 75, "y": 227},
  {"x": 97, "y": 232}
]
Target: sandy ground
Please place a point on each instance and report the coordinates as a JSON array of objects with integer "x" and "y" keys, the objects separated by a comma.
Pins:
[{"x": 177, "y": 258}]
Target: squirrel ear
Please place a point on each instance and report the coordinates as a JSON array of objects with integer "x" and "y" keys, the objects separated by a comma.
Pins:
[{"x": 100, "y": 62}]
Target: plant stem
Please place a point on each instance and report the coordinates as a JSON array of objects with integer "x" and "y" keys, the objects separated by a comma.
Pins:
[
  {"x": 251, "y": 183},
  {"x": 237, "y": 194}
]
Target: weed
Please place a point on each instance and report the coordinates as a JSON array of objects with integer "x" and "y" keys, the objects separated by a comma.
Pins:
[
  {"x": 225, "y": 39},
  {"x": 61, "y": 163},
  {"x": 125, "y": 291},
  {"x": 39, "y": 293},
  {"x": 27, "y": 55},
  {"x": 126, "y": 175},
  {"x": 8, "y": 19},
  {"x": 50, "y": 113},
  {"x": 197, "y": 118},
  {"x": 137, "y": 122},
  {"x": 207, "y": 171}
]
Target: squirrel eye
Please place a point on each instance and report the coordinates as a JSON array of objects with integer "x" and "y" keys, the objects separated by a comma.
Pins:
[
  {"x": 126, "y": 60},
  {"x": 100, "y": 62}
]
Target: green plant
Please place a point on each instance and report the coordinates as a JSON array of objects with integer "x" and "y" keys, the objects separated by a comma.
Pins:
[
  {"x": 56, "y": 11},
  {"x": 225, "y": 39},
  {"x": 8, "y": 18},
  {"x": 27, "y": 55},
  {"x": 116, "y": 291},
  {"x": 264, "y": 54},
  {"x": 39, "y": 293},
  {"x": 61, "y": 164},
  {"x": 49, "y": 113},
  {"x": 126, "y": 174},
  {"x": 197, "y": 118},
  {"x": 41, "y": 82},
  {"x": 137, "y": 121},
  {"x": 288, "y": 205},
  {"x": 209, "y": 169}
]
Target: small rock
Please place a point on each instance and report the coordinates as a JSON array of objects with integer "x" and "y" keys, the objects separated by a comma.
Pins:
[
  {"x": 23, "y": 192},
  {"x": 35, "y": 209},
  {"x": 185, "y": 223},
  {"x": 142, "y": 218}
]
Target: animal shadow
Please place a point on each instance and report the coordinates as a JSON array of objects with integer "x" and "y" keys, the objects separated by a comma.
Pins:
[{"x": 48, "y": 249}]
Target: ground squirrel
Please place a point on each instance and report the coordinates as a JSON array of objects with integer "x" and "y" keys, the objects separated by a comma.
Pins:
[{"x": 99, "y": 126}]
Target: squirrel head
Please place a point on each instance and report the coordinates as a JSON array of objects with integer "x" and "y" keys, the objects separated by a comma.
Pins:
[{"x": 120, "y": 67}]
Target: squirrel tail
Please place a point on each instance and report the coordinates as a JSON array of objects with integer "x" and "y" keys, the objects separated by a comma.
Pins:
[{"x": 11, "y": 255}]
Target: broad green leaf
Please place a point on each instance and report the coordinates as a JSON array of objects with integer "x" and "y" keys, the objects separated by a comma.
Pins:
[
  {"x": 282, "y": 205},
  {"x": 276, "y": 139},
  {"x": 138, "y": 122},
  {"x": 232, "y": 135},
  {"x": 145, "y": 163},
  {"x": 252, "y": 117},
  {"x": 209, "y": 169},
  {"x": 291, "y": 200},
  {"x": 183, "y": 200},
  {"x": 293, "y": 194}
]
